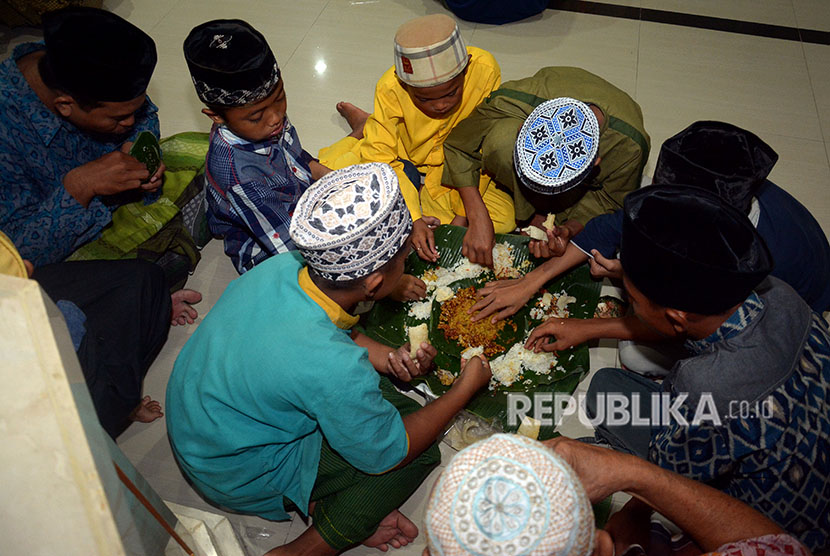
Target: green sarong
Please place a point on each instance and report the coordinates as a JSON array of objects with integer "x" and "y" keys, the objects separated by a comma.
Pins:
[{"x": 350, "y": 503}]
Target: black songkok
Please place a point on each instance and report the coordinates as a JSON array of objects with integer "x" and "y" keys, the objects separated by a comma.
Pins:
[
  {"x": 717, "y": 156},
  {"x": 97, "y": 55},
  {"x": 685, "y": 248},
  {"x": 230, "y": 63}
]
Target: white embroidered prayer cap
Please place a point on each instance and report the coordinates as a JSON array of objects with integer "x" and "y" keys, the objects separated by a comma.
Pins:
[
  {"x": 429, "y": 51},
  {"x": 508, "y": 496},
  {"x": 351, "y": 221},
  {"x": 557, "y": 146}
]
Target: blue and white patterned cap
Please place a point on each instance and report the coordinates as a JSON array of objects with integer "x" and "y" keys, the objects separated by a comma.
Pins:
[
  {"x": 557, "y": 146},
  {"x": 351, "y": 222},
  {"x": 509, "y": 495}
]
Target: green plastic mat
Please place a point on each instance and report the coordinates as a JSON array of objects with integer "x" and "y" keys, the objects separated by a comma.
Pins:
[{"x": 388, "y": 320}]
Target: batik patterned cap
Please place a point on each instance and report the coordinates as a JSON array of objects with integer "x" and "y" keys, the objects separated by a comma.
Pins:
[
  {"x": 509, "y": 495},
  {"x": 429, "y": 51},
  {"x": 557, "y": 146},
  {"x": 230, "y": 63},
  {"x": 351, "y": 222}
]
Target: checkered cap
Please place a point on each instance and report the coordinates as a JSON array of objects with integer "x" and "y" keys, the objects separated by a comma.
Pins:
[
  {"x": 557, "y": 146},
  {"x": 509, "y": 495},
  {"x": 429, "y": 51},
  {"x": 351, "y": 222}
]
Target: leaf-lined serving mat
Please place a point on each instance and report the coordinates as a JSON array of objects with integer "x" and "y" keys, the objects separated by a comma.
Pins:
[{"x": 388, "y": 320}]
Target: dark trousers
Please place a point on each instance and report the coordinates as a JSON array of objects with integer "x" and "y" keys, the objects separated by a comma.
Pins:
[
  {"x": 127, "y": 309},
  {"x": 627, "y": 437}
]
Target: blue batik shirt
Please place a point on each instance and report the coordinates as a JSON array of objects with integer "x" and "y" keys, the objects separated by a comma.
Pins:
[
  {"x": 767, "y": 368},
  {"x": 37, "y": 149},
  {"x": 253, "y": 189}
]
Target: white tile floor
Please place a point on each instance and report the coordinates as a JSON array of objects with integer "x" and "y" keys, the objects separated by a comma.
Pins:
[{"x": 336, "y": 49}]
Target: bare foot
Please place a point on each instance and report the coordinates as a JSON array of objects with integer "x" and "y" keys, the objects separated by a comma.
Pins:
[
  {"x": 147, "y": 411},
  {"x": 182, "y": 312},
  {"x": 396, "y": 530},
  {"x": 355, "y": 117}
]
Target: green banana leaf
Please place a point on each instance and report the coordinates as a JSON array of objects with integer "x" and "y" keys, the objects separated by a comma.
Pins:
[{"x": 388, "y": 320}]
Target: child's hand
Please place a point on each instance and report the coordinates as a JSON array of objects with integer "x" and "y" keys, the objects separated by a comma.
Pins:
[
  {"x": 479, "y": 241},
  {"x": 401, "y": 366},
  {"x": 423, "y": 238},
  {"x": 557, "y": 242},
  {"x": 409, "y": 288},
  {"x": 605, "y": 268},
  {"x": 475, "y": 372}
]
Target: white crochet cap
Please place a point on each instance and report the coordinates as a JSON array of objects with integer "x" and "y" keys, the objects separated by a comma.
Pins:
[
  {"x": 351, "y": 222},
  {"x": 509, "y": 495}
]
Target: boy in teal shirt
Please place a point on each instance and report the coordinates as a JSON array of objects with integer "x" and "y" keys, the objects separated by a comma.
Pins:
[{"x": 289, "y": 411}]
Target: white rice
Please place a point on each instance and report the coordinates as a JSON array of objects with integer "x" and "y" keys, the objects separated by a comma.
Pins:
[
  {"x": 552, "y": 305},
  {"x": 503, "y": 261},
  {"x": 443, "y": 293},
  {"x": 421, "y": 310},
  {"x": 471, "y": 352},
  {"x": 509, "y": 367},
  {"x": 446, "y": 276}
]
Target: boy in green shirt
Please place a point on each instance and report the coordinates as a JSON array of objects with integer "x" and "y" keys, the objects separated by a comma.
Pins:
[
  {"x": 492, "y": 139},
  {"x": 289, "y": 411}
]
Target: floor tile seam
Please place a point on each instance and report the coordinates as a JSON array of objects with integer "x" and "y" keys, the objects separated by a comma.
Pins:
[
  {"x": 307, "y": 33},
  {"x": 824, "y": 132},
  {"x": 163, "y": 17},
  {"x": 735, "y": 26}
]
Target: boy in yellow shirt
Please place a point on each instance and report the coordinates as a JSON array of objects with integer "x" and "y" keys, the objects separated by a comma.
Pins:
[{"x": 436, "y": 82}]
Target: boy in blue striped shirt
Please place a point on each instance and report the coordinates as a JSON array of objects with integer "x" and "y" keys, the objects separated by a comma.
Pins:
[{"x": 256, "y": 167}]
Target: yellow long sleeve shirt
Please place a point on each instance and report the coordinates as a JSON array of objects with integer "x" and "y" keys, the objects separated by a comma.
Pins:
[{"x": 397, "y": 129}]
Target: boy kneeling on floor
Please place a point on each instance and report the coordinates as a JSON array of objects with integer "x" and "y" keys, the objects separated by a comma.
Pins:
[{"x": 287, "y": 411}]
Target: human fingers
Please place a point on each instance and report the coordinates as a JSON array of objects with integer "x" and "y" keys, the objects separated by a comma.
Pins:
[
  {"x": 410, "y": 365},
  {"x": 428, "y": 242},
  {"x": 541, "y": 331},
  {"x": 601, "y": 260},
  {"x": 541, "y": 250},
  {"x": 503, "y": 314},
  {"x": 126, "y": 146},
  {"x": 420, "y": 247},
  {"x": 190, "y": 314},
  {"x": 494, "y": 285},
  {"x": 419, "y": 288},
  {"x": 534, "y": 247},
  {"x": 156, "y": 177},
  {"x": 562, "y": 232},
  {"x": 426, "y": 354},
  {"x": 395, "y": 364},
  {"x": 482, "y": 308},
  {"x": 151, "y": 185},
  {"x": 431, "y": 221},
  {"x": 556, "y": 345},
  {"x": 487, "y": 255}
]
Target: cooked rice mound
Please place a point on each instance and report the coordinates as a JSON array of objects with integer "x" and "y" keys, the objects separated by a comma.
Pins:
[{"x": 456, "y": 324}]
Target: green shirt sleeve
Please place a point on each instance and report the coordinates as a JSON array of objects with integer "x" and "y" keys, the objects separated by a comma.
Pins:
[{"x": 463, "y": 147}]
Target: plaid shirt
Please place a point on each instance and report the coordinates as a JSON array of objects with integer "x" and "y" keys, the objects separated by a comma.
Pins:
[{"x": 253, "y": 189}]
